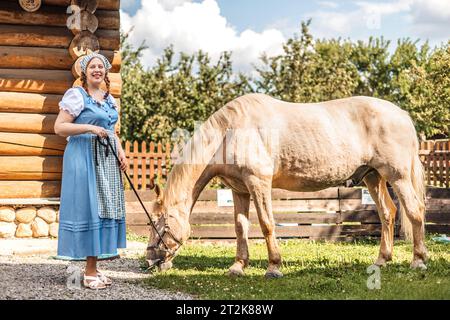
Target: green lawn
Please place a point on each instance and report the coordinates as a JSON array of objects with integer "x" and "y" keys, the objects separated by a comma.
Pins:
[{"x": 312, "y": 270}]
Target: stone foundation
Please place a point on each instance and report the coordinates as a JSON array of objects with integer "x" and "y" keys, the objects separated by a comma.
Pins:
[{"x": 26, "y": 221}]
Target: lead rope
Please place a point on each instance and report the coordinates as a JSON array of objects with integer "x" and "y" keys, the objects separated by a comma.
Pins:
[{"x": 136, "y": 193}]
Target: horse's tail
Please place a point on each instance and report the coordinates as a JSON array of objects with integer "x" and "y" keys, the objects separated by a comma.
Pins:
[{"x": 418, "y": 183}]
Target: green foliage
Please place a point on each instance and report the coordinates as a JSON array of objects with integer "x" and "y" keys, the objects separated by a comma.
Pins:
[
  {"x": 422, "y": 88},
  {"x": 175, "y": 93},
  {"x": 178, "y": 92},
  {"x": 309, "y": 71}
]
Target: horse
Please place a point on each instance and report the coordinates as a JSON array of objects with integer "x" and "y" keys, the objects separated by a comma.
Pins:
[{"x": 256, "y": 142}]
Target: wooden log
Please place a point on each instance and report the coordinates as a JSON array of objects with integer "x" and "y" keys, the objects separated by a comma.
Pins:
[
  {"x": 35, "y": 81},
  {"x": 27, "y": 122},
  {"x": 18, "y": 144},
  {"x": 34, "y": 58},
  {"x": 30, "y": 168},
  {"x": 108, "y": 19},
  {"x": 14, "y": 57},
  {"x": 115, "y": 60},
  {"x": 102, "y": 4},
  {"x": 30, "y": 189},
  {"x": 82, "y": 21},
  {"x": 86, "y": 5},
  {"x": 52, "y": 37},
  {"x": 35, "y": 36},
  {"x": 83, "y": 43},
  {"x": 29, "y": 102},
  {"x": 30, "y": 5},
  {"x": 11, "y": 13},
  {"x": 115, "y": 83},
  {"x": 32, "y": 102}
]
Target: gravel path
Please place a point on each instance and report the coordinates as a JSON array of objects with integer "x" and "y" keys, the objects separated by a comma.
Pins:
[{"x": 41, "y": 277}]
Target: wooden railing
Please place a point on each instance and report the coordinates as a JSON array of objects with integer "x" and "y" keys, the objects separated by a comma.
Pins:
[
  {"x": 332, "y": 214},
  {"x": 153, "y": 160}
]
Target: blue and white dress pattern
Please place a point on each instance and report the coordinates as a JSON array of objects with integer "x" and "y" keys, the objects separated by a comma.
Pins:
[{"x": 92, "y": 206}]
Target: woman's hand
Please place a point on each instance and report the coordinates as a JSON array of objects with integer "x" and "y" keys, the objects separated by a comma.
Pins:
[
  {"x": 123, "y": 160},
  {"x": 100, "y": 131}
]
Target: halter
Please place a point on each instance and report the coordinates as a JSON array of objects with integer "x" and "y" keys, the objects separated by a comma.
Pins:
[{"x": 166, "y": 231}]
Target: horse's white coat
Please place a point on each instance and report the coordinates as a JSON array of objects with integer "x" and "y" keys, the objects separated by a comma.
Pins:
[{"x": 255, "y": 143}]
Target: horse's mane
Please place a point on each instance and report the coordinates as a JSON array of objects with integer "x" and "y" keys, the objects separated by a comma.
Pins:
[{"x": 197, "y": 153}]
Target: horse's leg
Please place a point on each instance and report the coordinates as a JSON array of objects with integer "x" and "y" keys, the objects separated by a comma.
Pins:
[
  {"x": 386, "y": 210},
  {"x": 241, "y": 223},
  {"x": 261, "y": 192},
  {"x": 414, "y": 210}
]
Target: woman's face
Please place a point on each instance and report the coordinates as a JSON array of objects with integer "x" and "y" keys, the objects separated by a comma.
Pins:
[{"x": 95, "y": 72}]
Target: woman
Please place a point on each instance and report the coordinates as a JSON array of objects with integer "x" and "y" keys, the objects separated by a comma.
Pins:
[{"x": 92, "y": 206}]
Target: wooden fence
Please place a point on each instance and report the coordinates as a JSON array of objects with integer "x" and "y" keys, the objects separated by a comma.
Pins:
[
  {"x": 435, "y": 156},
  {"x": 146, "y": 161},
  {"x": 332, "y": 214},
  {"x": 153, "y": 160}
]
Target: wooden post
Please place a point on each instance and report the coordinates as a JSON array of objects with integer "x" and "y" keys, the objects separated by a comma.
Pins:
[
  {"x": 144, "y": 165},
  {"x": 135, "y": 165},
  {"x": 152, "y": 159}
]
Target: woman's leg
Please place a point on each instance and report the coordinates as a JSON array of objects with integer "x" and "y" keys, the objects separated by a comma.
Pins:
[{"x": 91, "y": 266}]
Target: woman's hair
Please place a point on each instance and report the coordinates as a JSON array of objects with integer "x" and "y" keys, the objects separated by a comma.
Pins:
[{"x": 85, "y": 86}]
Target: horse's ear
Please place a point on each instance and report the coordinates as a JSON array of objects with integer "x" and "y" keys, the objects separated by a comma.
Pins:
[
  {"x": 152, "y": 183},
  {"x": 158, "y": 194},
  {"x": 157, "y": 188}
]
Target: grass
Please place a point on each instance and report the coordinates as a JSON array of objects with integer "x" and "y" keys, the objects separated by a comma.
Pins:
[{"x": 312, "y": 270}]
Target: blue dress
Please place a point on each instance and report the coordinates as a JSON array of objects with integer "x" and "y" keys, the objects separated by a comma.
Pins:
[{"x": 82, "y": 232}]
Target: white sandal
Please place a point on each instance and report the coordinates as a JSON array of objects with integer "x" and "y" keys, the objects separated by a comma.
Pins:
[
  {"x": 95, "y": 284},
  {"x": 107, "y": 281}
]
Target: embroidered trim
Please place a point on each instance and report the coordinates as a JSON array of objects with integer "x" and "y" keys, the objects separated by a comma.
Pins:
[{"x": 65, "y": 108}]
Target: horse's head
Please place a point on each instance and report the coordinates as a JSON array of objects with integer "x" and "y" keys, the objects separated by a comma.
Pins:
[{"x": 165, "y": 233}]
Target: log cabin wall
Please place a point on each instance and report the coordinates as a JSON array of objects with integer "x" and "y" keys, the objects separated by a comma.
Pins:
[{"x": 38, "y": 51}]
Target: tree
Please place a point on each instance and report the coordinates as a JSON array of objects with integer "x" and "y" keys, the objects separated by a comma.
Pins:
[
  {"x": 309, "y": 71},
  {"x": 175, "y": 94},
  {"x": 423, "y": 89}
]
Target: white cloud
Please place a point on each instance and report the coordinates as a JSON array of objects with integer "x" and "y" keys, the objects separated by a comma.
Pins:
[
  {"x": 328, "y": 4},
  {"x": 419, "y": 18},
  {"x": 431, "y": 18},
  {"x": 192, "y": 26}
]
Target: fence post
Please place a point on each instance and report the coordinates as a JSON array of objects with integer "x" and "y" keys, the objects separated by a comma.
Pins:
[{"x": 144, "y": 155}]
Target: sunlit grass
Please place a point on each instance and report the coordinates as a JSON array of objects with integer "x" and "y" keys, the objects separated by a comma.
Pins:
[{"x": 312, "y": 270}]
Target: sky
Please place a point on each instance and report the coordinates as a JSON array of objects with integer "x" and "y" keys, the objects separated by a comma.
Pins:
[{"x": 250, "y": 27}]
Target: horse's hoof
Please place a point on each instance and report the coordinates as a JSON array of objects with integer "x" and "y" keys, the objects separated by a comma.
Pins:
[
  {"x": 380, "y": 262},
  {"x": 236, "y": 272},
  {"x": 165, "y": 266},
  {"x": 274, "y": 274},
  {"x": 418, "y": 264}
]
